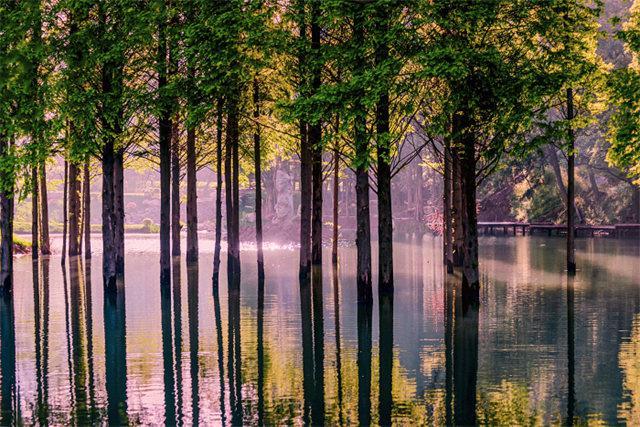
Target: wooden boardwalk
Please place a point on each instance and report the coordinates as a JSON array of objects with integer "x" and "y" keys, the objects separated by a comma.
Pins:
[{"x": 581, "y": 230}]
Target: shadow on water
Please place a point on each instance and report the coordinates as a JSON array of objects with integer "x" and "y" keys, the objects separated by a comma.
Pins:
[
  {"x": 9, "y": 399},
  {"x": 461, "y": 357},
  {"x": 115, "y": 344}
]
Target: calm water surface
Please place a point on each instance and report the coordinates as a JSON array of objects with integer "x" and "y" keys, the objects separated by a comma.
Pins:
[{"x": 539, "y": 349}]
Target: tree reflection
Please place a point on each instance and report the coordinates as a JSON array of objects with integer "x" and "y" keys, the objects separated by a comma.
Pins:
[
  {"x": 260, "y": 349},
  {"x": 8, "y": 396},
  {"x": 336, "y": 314},
  {"x": 220, "y": 347},
  {"x": 571, "y": 382},
  {"x": 234, "y": 351},
  {"x": 194, "y": 339},
  {"x": 386, "y": 358},
  {"x": 364, "y": 364}
]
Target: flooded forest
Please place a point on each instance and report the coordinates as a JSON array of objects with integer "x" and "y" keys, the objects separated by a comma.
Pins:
[{"x": 320, "y": 212}]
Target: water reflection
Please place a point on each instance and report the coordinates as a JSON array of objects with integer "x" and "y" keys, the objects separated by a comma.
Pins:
[{"x": 538, "y": 350}]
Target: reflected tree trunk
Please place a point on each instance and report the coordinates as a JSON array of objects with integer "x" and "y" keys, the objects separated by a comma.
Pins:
[
  {"x": 115, "y": 354},
  {"x": 336, "y": 314},
  {"x": 465, "y": 361},
  {"x": 364, "y": 364},
  {"x": 8, "y": 388},
  {"x": 317, "y": 412},
  {"x": 194, "y": 340},
  {"x": 177, "y": 388},
  {"x": 385, "y": 403},
  {"x": 220, "y": 350},
  {"x": 260, "y": 353},
  {"x": 306, "y": 315},
  {"x": 235, "y": 357},
  {"x": 167, "y": 356},
  {"x": 571, "y": 383}
]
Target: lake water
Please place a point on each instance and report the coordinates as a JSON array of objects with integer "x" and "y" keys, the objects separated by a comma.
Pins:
[{"x": 539, "y": 349}]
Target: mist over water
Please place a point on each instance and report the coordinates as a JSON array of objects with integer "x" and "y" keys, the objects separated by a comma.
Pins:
[{"x": 164, "y": 357}]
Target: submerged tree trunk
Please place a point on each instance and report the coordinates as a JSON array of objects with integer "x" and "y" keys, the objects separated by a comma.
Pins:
[
  {"x": 336, "y": 197},
  {"x": 35, "y": 213},
  {"x": 315, "y": 144},
  {"x": 6, "y": 223},
  {"x": 192, "y": 198},
  {"x": 175, "y": 189},
  {"x": 64, "y": 213},
  {"x": 216, "y": 254},
  {"x": 571, "y": 248},
  {"x": 446, "y": 200},
  {"x": 74, "y": 209},
  {"x": 363, "y": 220},
  {"x": 164, "y": 140},
  {"x": 45, "y": 245},
  {"x": 471, "y": 276},
  {"x": 118, "y": 211},
  {"x": 385, "y": 216},
  {"x": 258, "y": 176},
  {"x": 86, "y": 199}
]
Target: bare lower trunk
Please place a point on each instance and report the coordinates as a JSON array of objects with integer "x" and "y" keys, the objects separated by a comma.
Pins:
[
  {"x": 45, "y": 245},
  {"x": 336, "y": 197},
  {"x": 74, "y": 209},
  {"x": 164, "y": 140},
  {"x": 258, "y": 176},
  {"x": 175, "y": 190},
  {"x": 216, "y": 254},
  {"x": 192, "y": 198},
  {"x": 108, "y": 244},
  {"x": 86, "y": 198},
  {"x": 457, "y": 212},
  {"x": 571, "y": 247},
  {"x": 35, "y": 214},
  {"x": 64, "y": 213},
  {"x": 315, "y": 145},
  {"x": 232, "y": 194},
  {"x": 306, "y": 191},
  {"x": 447, "y": 231},
  {"x": 118, "y": 211},
  {"x": 6, "y": 226}
]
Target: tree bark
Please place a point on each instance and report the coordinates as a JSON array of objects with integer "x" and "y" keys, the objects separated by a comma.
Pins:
[
  {"x": 192, "y": 198},
  {"x": 64, "y": 213},
  {"x": 336, "y": 197},
  {"x": 164, "y": 140},
  {"x": 315, "y": 144},
  {"x": 45, "y": 245},
  {"x": 258, "y": 177},
  {"x": 457, "y": 212},
  {"x": 385, "y": 215},
  {"x": 87, "y": 210},
  {"x": 74, "y": 209},
  {"x": 363, "y": 220},
  {"x": 571, "y": 248},
  {"x": 118, "y": 211},
  {"x": 635, "y": 203},
  {"x": 108, "y": 233},
  {"x": 447, "y": 231},
  {"x": 175, "y": 189},
  {"x": 35, "y": 214},
  {"x": 216, "y": 254},
  {"x": 232, "y": 193},
  {"x": 6, "y": 223}
]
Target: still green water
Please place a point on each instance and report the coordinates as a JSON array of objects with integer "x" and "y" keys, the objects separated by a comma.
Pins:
[{"x": 539, "y": 349}]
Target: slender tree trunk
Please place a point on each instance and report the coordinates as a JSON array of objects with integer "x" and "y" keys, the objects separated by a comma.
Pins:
[
  {"x": 164, "y": 122},
  {"x": 571, "y": 248},
  {"x": 45, "y": 245},
  {"x": 446, "y": 199},
  {"x": 192, "y": 198},
  {"x": 471, "y": 276},
  {"x": 87, "y": 210},
  {"x": 6, "y": 223},
  {"x": 216, "y": 254},
  {"x": 108, "y": 226},
  {"x": 458, "y": 209},
  {"x": 64, "y": 213},
  {"x": 336, "y": 196},
  {"x": 118, "y": 211},
  {"x": 35, "y": 214},
  {"x": 385, "y": 216},
  {"x": 175, "y": 189},
  {"x": 236, "y": 194},
  {"x": 635, "y": 203},
  {"x": 74, "y": 209},
  {"x": 315, "y": 144},
  {"x": 258, "y": 175},
  {"x": 363, "y": 220},
  {"x": 232, "y": 194}
]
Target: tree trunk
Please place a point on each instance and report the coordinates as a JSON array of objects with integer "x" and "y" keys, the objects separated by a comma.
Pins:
[
  {"x": 175, "y": 189},
  {"x": 447, "y": 231},
  {"x": 35, "y": 214},
  {"x": 6, "y": 224},
  {"x": 74, "y": 209},
  {"x": 385, "y": 216},
  {"x": 471, "y": 276},
  {"x": 457, "y": 212},
  {"x": 118, "y": 211},
  {"x": 232, "y": 194},
  {"x": 216, "y": 254},
  {"x": 87, "y": 211},
  {"x": 336, "y": 197},
  {"x": 64, "y": 213},
  {"x": 108, "y": 226},
  {"x": 315, "y": 143},
  {"x": 635, "y": 203},
  {"x": 258, "y": 176},
  {"x": 192, "y": 198},
  {"x": 45, "y": 245},
  {"x": 571, "y": 248},
  {"x": 164, "y": 140}
]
